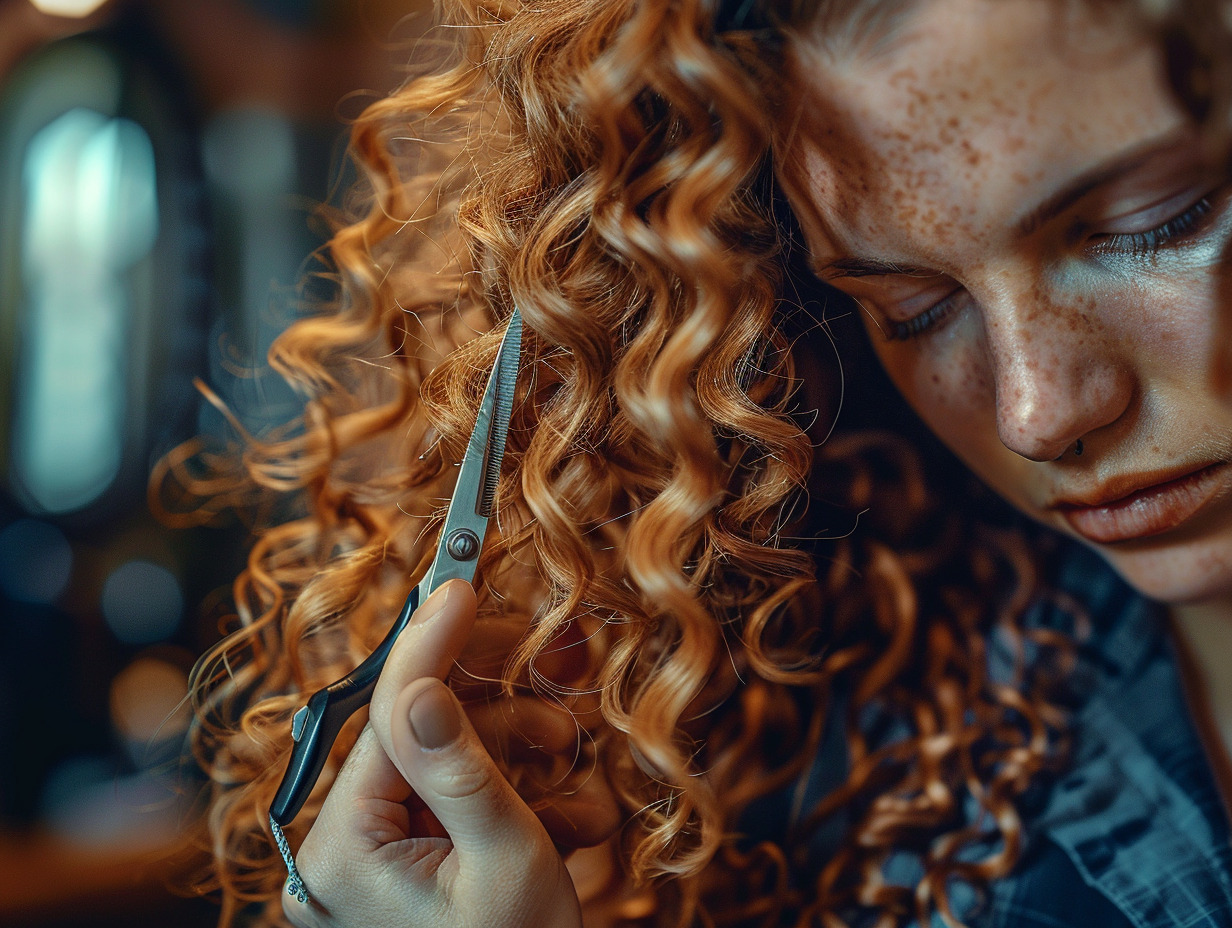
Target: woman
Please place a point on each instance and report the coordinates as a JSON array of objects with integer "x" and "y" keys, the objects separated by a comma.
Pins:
[{"x": 853, "y": 730}]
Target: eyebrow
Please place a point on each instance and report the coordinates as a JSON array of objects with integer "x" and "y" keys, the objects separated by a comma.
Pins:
[
  {"x": 1093, "y": 179},
  {"x": 869, "y": 267}
]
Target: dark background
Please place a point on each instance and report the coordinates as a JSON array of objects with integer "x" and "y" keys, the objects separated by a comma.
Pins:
[{"x": 160, "y": 165}]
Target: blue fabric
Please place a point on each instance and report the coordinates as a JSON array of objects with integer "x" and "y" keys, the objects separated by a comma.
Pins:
[{"x": 1134, "y": 833}]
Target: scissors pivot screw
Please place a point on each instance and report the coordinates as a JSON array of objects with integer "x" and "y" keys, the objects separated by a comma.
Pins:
[{"x": 462, "y": 544}]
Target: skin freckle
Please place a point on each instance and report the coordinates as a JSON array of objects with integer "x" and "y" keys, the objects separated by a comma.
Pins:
[
  {"x": 947, "y": 145},
  {"x": 903, "y": 76}
]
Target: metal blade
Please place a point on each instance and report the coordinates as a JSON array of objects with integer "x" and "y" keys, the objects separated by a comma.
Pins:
[
  {"x": 505, "y": 373},
  {"x": 466, "y": 521}
]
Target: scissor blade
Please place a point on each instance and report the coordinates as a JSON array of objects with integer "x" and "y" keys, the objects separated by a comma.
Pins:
[
  {"x": 505, "y": 375},
  {"x": 466, "y": 521}
]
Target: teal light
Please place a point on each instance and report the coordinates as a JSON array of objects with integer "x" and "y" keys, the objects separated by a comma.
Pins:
[{"x": 90, "y": 214}]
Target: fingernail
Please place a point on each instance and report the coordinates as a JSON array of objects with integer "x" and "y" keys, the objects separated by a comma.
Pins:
[
  {"x": 434, "y": 718},
  {"x": 434, "y": 605}
]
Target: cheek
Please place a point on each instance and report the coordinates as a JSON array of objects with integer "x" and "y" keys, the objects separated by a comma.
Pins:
[
  {"x": 950, "y": 386},
  {"x": 946, "y": 380},
  {"x": 1180, "y": 319}
]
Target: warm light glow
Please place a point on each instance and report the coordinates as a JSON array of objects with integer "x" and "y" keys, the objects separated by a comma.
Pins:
[
  {"x": 73, "y": 8},
  {"x": 149, "y": 701}
]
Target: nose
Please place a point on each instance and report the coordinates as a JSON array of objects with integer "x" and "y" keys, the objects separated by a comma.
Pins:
[{"x": 1058, "y": 374}]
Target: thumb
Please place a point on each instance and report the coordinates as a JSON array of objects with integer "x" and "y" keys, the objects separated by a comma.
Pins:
[
  {"x": 427, "y": 647},
  {"x": 452, "y": 773}
]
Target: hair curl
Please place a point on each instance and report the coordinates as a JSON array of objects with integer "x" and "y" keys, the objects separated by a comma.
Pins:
[{"x": 607, "y": 168}]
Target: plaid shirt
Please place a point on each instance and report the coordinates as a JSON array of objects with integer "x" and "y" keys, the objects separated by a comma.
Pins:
[{"x": 1134, "y": 832}]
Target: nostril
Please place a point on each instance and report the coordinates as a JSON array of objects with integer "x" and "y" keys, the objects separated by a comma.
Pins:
[
  {"x": 1077, "y": 451},
  {"x": 1048, "y": 405}
]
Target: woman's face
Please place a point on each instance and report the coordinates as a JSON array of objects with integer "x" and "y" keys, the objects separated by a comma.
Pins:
[{"x": 1027, "y": 220}]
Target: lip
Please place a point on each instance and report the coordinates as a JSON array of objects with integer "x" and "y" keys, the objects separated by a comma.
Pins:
[{"x": 1141, "y": 505}]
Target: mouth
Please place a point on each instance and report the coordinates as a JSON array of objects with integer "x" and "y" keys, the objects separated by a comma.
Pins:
[{"x": 1156, "y": 503}]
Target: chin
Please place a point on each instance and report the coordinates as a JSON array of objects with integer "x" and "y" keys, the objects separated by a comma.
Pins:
[{"x": 1175, "y": 575}]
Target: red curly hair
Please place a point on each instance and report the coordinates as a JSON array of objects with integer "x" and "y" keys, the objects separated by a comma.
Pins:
[{"x": 608, "y": 167}]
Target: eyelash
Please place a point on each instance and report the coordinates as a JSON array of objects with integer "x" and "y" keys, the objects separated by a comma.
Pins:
[
  {"x": 1135, "y": 244},
  {"x": 1150, "y": 241},
  {"x": 925, "y": 321}
]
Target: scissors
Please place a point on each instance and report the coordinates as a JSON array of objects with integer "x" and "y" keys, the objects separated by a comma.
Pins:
[{"x": 315, "y": 727}]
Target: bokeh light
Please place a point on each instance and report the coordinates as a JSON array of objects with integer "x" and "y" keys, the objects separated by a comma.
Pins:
[
  {"x": 149, "y": 703},
  {"x": 75, "y": 9},
  {"x": 90, "y": 204},
  {"x": 142, "y": 602},
  {"x": 250, "y": 152}
]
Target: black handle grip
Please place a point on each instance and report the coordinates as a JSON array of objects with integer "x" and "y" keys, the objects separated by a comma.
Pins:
[{"x": 326, "y": 712}]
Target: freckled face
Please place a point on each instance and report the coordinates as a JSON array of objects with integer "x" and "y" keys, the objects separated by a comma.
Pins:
[{"x": 1032, "y": 231}]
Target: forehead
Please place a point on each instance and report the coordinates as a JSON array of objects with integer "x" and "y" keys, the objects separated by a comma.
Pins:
[{"x": 951, "y": 112}]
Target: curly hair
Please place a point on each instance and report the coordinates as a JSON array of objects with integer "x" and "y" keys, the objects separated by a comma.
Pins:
[{"x": 608, "y": 168}]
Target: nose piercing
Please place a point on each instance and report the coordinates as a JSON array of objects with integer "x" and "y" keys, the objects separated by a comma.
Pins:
[{"x": 1077, "y": 450}]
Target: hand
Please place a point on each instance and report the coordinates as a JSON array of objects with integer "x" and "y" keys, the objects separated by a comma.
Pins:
[{"x": 420, "y": 828}]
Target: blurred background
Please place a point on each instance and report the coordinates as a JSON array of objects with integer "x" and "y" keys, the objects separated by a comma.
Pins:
[{"x": 160, "y": 166}]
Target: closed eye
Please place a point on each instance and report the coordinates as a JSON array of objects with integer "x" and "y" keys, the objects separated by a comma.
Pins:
[
  {"x": 1176, "y": 230},
  {"x": 927, "y": 320}
]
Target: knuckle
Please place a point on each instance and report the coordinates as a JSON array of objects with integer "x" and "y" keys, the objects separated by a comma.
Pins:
[
  {"x": 541, "y": 858},
  {"x": 466, "y": 781}
]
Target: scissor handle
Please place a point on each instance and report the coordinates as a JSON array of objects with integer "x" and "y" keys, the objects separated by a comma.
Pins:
[{"x": 316, "y": 725}]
